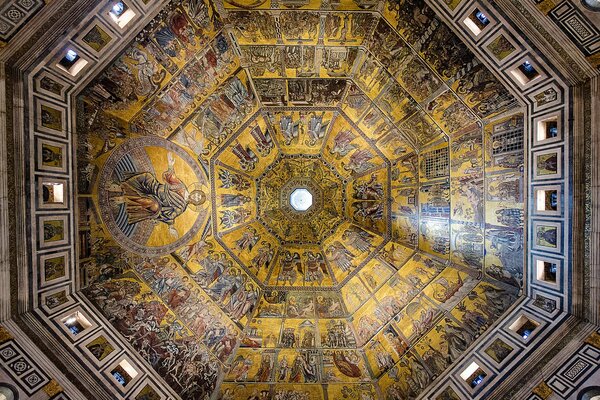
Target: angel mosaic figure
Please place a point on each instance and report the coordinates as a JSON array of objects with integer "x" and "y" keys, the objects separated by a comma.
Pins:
[
  {"x": 339, "y": 256},
  {"x": 342, "y": 144},
  {"x": 289, "y": 265},
  {"x": 229, "y": 218},
  {"x": 248, "y": 240},
  {"x": 370, "y": 190},
  {"x": 359, "y": 161},
  {"x": 234, "y": 200},
  {"x": 316, "y": 128},
  {"x": 243, "y": 301},
  {"x": 358, "y": 239},
  {"x": 366, "y": 210},
  {"x": 232, "y": 180},
  {"x": 316, "y": 269},
  {"x": 290, "y": 129}
]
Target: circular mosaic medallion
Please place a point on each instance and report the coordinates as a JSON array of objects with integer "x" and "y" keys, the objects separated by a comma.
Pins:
[{"x": 152, "y": 196}]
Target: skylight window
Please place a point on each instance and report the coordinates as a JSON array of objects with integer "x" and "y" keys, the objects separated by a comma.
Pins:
[
  {"x": 477, "y": 21},
  {"x": 118, "y": 8},
  {"x": 124, "y": 373},
  {"x": 548, "y": 128},
  {"x": 592, "y": 4},
  {"x": 524, "y": 327},
  {"x": 76, "y": 323},
  {"x": 481, "y": 17},
  {"x": 547, "y": 200},
  {"x": 525, "y": 72},
  {"x": 528, "y": 70},
  {"x": 473, "y": 375},
  {"x": 121, "y": 13},
  {"x": 301, "y": 199},
  {"x": 547, "y": 271},
  {"x": 71, "y": 62},
  {"x": 69, "y": 59}
]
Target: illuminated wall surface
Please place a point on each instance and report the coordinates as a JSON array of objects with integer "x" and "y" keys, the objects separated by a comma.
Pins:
[{"x": 305, "y": 199}]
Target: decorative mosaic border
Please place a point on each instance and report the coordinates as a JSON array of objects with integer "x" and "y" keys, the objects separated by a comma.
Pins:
[
  {"x": 577, "y": 26},
  {"x": 573, "y": 374}
]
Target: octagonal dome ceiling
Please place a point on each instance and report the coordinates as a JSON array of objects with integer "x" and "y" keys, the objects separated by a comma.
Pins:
[{"x": 192, "y": 142}]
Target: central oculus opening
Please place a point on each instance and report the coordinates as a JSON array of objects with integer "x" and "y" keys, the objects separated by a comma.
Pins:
[{"x": 301, "y": 199}]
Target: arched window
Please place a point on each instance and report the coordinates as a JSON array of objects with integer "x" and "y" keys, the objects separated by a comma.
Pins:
[
  {"x": 592, "y": 4},
  {"x": 589, "y": 393},
  {"x": 8, "y": 392}
]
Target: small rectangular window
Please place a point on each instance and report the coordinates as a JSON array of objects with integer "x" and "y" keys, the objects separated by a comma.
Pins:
[
  {"x": 119, "y": 376},
  {"x": 546, "y": 271},
  {"x": 71, "y": 62},
  {"x": 70, "y": 58},
  {"x": 477, "y": 21},
  {"x": 525, "y": 73},
  {"x": 76, "y": 323},
  {"x": 118, "y": 9},
  {"x": 121, "y": 13},
  {"x": 473, "y": 375},
  {"x": 124, "y": 373},
  {"x": 551, "y": 129},
  {"x": 53, "y": 193},
  {"x": 477, "y": 377},
  {"x": 528, "y": 70},
  {"x": 524, "y": 327},
  {"x": 547, "y": 200},
  {"x": 549, "y": 272},
  {"x": 547, "y": 129}
]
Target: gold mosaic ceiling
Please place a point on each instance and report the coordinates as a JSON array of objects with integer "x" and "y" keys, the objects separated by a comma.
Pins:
[{"x": 191, "y": 143}]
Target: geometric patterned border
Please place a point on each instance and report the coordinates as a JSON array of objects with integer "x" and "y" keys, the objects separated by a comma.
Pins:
[
  {"x": 54, "y": 296},
  {"x": 23, "y": 370},
  {"x": 576, "y": 370},
  {"x": 14, "y": 14},
  {"x": 545, "y": 96},
  {"x": 577, "y": 26}
]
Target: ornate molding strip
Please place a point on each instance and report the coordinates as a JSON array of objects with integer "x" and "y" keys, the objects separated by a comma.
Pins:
[
  {"x": 593, "y": 203},
  {"x": 5, "y": 265},
  {"x": 545, "y": 97},
  {"x": 545, "y": 37},
  {"x": 564, "y": 369}
]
